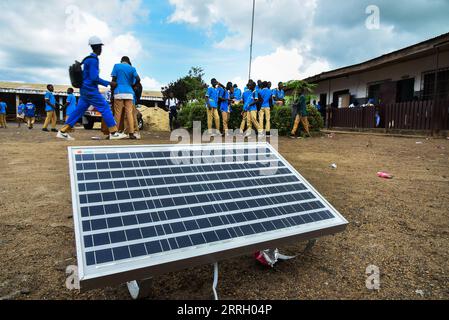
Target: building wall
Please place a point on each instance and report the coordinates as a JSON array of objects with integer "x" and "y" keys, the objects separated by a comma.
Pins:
[{"x": 358, "y": 84}]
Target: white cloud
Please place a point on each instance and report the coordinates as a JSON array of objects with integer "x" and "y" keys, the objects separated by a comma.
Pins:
[
  {"x": 151, "y": 84},
  {"x": 286, "y": 64},
  {"x": 39, "y": 42}
]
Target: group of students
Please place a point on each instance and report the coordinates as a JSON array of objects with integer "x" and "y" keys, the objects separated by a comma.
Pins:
[
  {"x": 258, "y": 100},
  {"x": 125, "y": 86}
]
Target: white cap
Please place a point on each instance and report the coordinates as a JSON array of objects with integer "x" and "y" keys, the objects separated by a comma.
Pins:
[{"x": 93, "y": 41}]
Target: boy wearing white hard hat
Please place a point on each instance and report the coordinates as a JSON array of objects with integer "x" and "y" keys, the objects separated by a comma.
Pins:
[{"x": 91, "y": 96}]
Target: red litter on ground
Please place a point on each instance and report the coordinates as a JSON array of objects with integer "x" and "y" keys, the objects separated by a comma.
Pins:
[{"x": 384, "y": 175}]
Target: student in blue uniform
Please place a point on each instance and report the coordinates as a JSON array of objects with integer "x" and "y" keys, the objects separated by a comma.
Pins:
[
  {"x": 212, "y": 107},
  {"x": 279, "y": 95},
  {"x": 225, "y": 105},
  {"x": 266, "y": 98},
  {"x": 91, "y": 96},
  {"x": 50, "y": 109},
  {"x": 20, "y": 113},
  {"x": 250, "y": 98},
  {"x": 3, "y": 108},
  {"x": 70, "y": 104},
  {"x": 30, "y": 114},
  {"x": 126, "y": 77},
  {"x": 237, "y": 94}
]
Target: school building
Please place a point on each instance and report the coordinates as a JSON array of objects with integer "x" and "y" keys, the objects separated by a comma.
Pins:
[
  {"x": 13, "y": 92},
  {"x": 410, "y": 88}
]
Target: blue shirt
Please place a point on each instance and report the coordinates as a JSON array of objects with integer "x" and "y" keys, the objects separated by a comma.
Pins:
[
  {"x": 248, "y": 98},
  {"x": 212, "y": 96},
  {"x": 225, "y": 107},
  {"x": 279, "y": 94},
  {"x": 71, "y": 100},
  {"x": 237, "y": 94},
  {"x": 3, "y": 107},
  {"x": 51, "y": 98},
  {"x": 30, "y": 109},
  {"x": 126, "y": 77},
  {"x": 91, "y": 75},
  {"x": 265, "y": 96},
  {"x": 21, "y": 108}
]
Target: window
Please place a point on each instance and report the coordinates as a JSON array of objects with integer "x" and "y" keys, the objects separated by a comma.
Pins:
[
  {"x": 405, "y": 90},
  {"x": 428, "y": 85}
]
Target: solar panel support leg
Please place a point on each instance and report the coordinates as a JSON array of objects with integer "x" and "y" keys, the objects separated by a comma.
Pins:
[
  {"x": 214, "y": 286},
  {"x": 139, "y": 290}
]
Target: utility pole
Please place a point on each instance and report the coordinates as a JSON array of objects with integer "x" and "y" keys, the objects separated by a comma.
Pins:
[{"x": 252, "y": 38}]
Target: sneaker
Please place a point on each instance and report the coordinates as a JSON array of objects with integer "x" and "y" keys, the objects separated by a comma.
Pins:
[
  {"x": 118, "y": 136},
  {"x": 138, "y": 136},
  {"x": 292, "y": 136},
  {"x": 54, "y": 130},
  {"x": 45, "y": 130},
  {"x": 132, "y": 137},
  {"x": 64, "y": 136}
]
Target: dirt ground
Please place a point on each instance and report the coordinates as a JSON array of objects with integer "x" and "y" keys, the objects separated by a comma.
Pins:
[{"x": 399, "y": 225}]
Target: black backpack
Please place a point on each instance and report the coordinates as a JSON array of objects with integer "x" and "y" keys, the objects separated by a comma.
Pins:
[{"x": 76, "y": 73}]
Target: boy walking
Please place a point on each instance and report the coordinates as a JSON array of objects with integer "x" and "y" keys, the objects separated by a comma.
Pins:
[
  {"x": 20, "y": 113},
  {"x": 212, "y": 107},
  {"x": 90, "y": 95},
  {"x": 300, "y": 115},
  {"x": 70, "y": 104},
  {"x": 50, "y": 109},
  {"x": 3, "y": 107},
  {"x": 30, "y": 113}
]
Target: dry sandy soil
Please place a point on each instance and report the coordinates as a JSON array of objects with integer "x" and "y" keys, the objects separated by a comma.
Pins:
[{"x": 399, "y": 225}]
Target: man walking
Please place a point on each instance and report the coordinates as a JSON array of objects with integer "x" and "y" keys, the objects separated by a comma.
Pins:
[
  {"x": 20, "y": 113},
  {"x": 125, "y": 75},
  {"x": 172, "y": 104},
  {"x": 30, "y": 114},
  {"x": 50, "y": 109},
  {"x": 300, "y": 115},
  {"x": 90, "y": 95},
  {"x": 70, "y": 105}
]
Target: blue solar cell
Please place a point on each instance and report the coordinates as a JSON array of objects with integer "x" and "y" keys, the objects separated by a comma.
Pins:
[
  {"x": 111, "y": 209},
  {"x": 86, "y": 226},
  {"x": 126, "y": 207},
  {"x": 104, "y": 256},
  {"x": 223, "y": 234},
  {"x": 93, "y": 198},
  {"x": 210, "y": 236},
  {"x": 101, "y": 239},
  {"x": 121, "y": 253},
  {"x": 88, "y": 241},
  {"x": 184, "y": 242},
  {"x": 197, "y": 239},
  {"x": 165, "y": 245},
  {"x": 307, "y": 218},
  {"x": 96, "y": 211},
  {"x": 138, "y": 250},
  {"x": 178, "y": 227},
  {"x": 149, "y": 232},
  {"x": 247, "y": 230},
  {"x": 173, "y": 244},
  {"x": 167, "y": 229},
  {"x": 90, "y": 258},
  {"x": 129, "y": 220},
  {"x": 153, "y": 247},
  {"x": 117, "y": 236},
  {"x": 114, "y": 222},
  {"x": 133, "y": 234},
  {"x": 84, "y": 212},
  {"x": 98, "y": 224}
]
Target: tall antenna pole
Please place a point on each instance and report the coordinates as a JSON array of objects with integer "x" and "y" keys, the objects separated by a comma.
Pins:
[{"x": 252, "y": 37}]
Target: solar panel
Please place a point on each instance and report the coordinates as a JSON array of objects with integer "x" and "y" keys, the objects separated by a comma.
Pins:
[{"x": 141, "y": 211}]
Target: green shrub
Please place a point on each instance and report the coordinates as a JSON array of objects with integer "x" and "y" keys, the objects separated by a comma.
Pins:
[
  {"x": 281, "y": 119},
  {"x": 316, "y": 121},
  {"x": 198, "y": 113},
  {"x": 184, "y": 116}
]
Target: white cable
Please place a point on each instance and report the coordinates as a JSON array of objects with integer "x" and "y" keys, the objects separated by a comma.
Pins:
[{"x": 214, "y": 287}]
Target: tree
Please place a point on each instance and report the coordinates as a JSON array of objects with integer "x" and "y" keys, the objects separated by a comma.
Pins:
[{"x": 190, "y": 87}]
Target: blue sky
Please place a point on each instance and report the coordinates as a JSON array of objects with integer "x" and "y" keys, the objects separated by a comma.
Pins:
[{"x": 164, "y": 38}]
